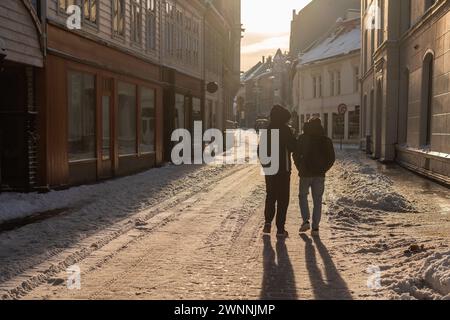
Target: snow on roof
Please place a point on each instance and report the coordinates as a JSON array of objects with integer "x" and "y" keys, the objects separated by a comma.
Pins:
[
  {"x": 249, "y": 73},
  {"x": 344, "y": 38}
]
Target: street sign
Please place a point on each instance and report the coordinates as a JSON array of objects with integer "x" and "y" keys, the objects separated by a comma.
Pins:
[{"x": 342, "y": 109}]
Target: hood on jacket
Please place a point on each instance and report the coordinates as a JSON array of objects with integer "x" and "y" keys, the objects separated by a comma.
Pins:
[
  {"x": 279, "y": 116},
  {"x": 314, "y": 128}
]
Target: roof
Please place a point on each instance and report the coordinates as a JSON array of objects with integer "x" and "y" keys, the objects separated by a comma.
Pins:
[
  {"x": 262, "y": 68},
  {"x": 344, "y": 38}
]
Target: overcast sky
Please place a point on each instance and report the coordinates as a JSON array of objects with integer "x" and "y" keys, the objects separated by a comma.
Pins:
[{"x": 267, "y": 26}]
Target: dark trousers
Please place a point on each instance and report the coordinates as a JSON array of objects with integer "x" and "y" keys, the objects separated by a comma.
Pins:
[{"x": 277, "y": 198}]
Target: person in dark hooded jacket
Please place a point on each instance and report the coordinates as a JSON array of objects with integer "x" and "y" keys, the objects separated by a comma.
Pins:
[
  {"x": 278, "y": 185},
  {"x": 314, "y": 156}
]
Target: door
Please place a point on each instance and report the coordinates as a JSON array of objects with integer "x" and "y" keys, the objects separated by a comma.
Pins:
[{"x": 106, "y": 158}]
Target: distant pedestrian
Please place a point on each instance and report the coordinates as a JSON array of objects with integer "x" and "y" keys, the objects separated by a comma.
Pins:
[
  {"x": 278, "y": 185},
  {"x": 314, "y": 156}
]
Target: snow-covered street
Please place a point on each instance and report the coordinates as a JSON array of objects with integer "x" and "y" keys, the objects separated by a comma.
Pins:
[{"x": 195, "y": 232}]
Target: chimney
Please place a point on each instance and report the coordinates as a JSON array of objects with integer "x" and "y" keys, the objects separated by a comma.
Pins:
[
  {"x": 294, "y": 14},
  {"x": 263, "y": 59}
]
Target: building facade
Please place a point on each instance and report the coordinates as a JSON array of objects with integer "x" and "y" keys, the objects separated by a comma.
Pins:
[
  {"x": 306, "y": 26},
  {"x": 119, "y": 76},
  {"x": 405, "y": 84},
  {"x": 327, "y": 78},
  {"x": 263, "y": 85},
  {"x": 21, "y": 60}
]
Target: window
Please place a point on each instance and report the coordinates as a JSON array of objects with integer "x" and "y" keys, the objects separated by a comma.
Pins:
[
  {"x": 179, "y": 112},
  {"x": 81, "y": 116},
  {"x": 127, "y": 118},
  {"x": 319, "y": 79},
  {"x": 426, "y": 113},
  {"x": 90, "y": 11},
  {"x": 119, "y": 17},
  {"x": 151, "y": 24},
  {"x": 64, "y": 4},
  {"x": 332, "y": 84},
  {"x": 338, "y": 82},
  {"x": 356, "y": 79},
  {"x": 354, "y": 123},
  {"x": 338, "y": 126},
  {"x": 147, "y": 120},
  {"x": 317, "y": 86},
  {"x": 196, "y": 109},
  {"x": 136, "y": 21},
  {"x": 314, "y": 87},
  {"x": 88, "y": 8}
]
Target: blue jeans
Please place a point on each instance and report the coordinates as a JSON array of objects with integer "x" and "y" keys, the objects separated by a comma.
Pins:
[{"x": 317, "y": 186}]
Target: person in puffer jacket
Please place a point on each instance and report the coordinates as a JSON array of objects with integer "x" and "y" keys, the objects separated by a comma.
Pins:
[{"x": 314, "y": 156}]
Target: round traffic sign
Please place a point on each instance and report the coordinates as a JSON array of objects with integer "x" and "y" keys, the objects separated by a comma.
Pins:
[{"x": 342, "y": 109}]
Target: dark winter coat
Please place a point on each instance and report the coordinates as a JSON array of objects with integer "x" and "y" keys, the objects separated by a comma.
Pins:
[
  {"x": 314, "y": 154},
  {"x": 279, "y": 118}
]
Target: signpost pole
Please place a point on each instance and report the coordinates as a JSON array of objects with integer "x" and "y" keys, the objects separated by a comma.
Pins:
[{"x": 342, "y": 110}]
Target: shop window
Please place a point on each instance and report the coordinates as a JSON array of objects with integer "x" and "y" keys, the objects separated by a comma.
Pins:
[
  {"x": 196, "y": 109},
  {"x": 81, "y": 116},
  {"x": 127, "y": 119},
  {"x": 354, "y": 123},
  {"x": 147, "y": 120},
  {"x": 179, "y": 112},
  {"x": 338, "y": 126}
]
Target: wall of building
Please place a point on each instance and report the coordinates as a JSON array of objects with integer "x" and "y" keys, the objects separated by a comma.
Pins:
[
  {"x": 418, "y": 33},
  {"x": 321, "y": 101}
]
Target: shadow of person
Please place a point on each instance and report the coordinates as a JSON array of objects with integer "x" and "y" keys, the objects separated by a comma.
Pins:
[
  {"x": 278, "y": 278},
  {"x": 332, "y": 287}
]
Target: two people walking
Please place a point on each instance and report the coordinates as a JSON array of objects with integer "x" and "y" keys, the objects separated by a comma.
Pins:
[{"x": 314, "y": 156}]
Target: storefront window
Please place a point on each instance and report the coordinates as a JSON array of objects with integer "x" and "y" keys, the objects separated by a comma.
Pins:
[
  {"x": 147, "y": 120},
  {"x": 127, "y": 119},
  {"x": 179, "y": 112},
  {"x": 81, "y": 116},
  {"x": 196, "y": 109}
]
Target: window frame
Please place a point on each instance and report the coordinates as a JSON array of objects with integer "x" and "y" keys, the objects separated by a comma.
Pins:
[
  {"x": 136, "y": 35},
  {"x": 139, "y": 119},
  {"x": 94, "y": 75},
  {"x": 151, "y": 17},
  {"x": 80, "y": 4},
  {"x": 114, "y": 33}
]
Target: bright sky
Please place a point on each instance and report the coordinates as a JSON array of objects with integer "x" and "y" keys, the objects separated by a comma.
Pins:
[{"x": 267, "y": 26}]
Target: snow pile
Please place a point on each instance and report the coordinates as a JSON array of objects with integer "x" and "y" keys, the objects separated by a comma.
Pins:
[
  {"x": 363, "y": 189},
  {"x": 431, "y": 282},
  {"x": 436, "y": 273}
]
